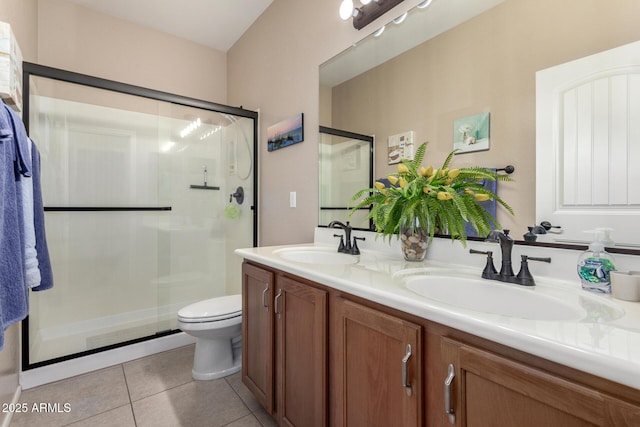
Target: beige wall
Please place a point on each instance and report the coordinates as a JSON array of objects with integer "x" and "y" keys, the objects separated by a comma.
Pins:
[
  {"x": 487, "y": 64},
  {"x": 274, "y": 68},
  {"x": 77, "y": 39}
]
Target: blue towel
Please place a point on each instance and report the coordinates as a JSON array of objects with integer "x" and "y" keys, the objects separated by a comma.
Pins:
[
  {"x": 32, "y": 272},
  {"x": 489, "y": 205},
  {"x": 14, "y": 302},
  {"x": 44, "y": 262}
]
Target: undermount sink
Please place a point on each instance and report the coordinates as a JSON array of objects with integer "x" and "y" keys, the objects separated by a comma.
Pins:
[
  {"x": 500, "y": 298},
  {"x": 316, "y": 255}
]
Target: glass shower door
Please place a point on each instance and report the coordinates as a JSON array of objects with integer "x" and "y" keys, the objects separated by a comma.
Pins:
[{"x": 135, "y": 191}]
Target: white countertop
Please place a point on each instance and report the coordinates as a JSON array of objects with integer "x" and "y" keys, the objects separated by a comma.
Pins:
[{"x": 597, "y": 343}]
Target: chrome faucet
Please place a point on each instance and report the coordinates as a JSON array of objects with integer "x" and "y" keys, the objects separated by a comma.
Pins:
[
  {"x": 506, "y": 274},
  {"x": 345, "y": 241}
]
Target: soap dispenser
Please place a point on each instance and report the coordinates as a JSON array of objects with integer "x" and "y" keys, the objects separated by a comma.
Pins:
[{"x": 595, "y": 263}]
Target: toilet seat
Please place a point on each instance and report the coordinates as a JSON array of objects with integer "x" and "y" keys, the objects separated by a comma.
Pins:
[{"x": 212, "y": 310}]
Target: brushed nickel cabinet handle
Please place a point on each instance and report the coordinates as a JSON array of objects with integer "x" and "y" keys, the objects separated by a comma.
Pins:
[
  {"x": 447, "y": 394},
  {"x": 405, "y": 363},
  {"x": 265, "y": 303},
  {"x": 276, "y": 305}
]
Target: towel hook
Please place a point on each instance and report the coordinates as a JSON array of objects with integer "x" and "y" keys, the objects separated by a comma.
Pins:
[{"x": 509, "y": 169}]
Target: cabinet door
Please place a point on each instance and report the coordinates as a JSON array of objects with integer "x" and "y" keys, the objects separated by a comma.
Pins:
[
  {"x": 301, "y": 355},
  {"x": 257, "y": 332},
  {"x": 489, "y": 390},
  {"x": 376, "y": 368}
]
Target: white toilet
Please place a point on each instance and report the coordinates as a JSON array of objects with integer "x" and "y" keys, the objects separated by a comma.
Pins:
[{"x": 217, "y": 325}]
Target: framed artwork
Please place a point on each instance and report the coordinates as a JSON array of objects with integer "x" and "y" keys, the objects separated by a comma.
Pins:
[
  {"x": 471, "y": 133},
  {"x": 286, "y": 132},
  {"x": 400, "y": 147}
]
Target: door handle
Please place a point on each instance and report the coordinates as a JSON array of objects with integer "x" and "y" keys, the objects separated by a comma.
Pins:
[
  {"x": 276, "y": 305},
  {"x": 405, "y": 363},
  {"x": 265, "y": 303},
  {"x": 447, "y": 394}
]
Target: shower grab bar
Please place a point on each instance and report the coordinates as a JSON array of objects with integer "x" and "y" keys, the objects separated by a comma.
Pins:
[
  {"x": 203, "y": 187},
  {"x": 105, "y": 208}
]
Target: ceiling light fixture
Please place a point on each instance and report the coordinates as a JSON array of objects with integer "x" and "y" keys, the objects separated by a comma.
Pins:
[
  {"x": 400, "y": 19},
  {"x": 379, "y": 31},
  {"x": 424, "y": 4},
  {"x": 368, "y": 12}
]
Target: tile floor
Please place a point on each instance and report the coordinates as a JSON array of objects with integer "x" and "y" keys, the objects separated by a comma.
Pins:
[{"x": 153, "y": 391}]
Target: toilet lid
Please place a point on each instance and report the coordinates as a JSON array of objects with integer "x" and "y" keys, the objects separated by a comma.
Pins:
[{"x": 212, "y": 309}]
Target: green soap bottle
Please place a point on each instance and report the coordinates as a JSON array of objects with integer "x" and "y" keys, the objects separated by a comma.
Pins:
[{"x": 595, "y": 264}]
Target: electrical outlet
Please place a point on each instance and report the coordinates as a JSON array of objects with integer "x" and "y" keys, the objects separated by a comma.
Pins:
[{"x": 292, "y": 199}]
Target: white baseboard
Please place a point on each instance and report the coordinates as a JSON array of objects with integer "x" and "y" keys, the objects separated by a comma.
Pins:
[
  {"x": 82, "y": 365},
  {"x": 9, "y": 414}
]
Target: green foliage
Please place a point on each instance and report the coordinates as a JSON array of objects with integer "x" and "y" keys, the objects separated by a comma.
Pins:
[{"x": 439, "y": 200}]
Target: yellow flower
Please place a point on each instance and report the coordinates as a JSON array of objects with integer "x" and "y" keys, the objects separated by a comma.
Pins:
[
  {"x": 402, "y": 169},
  {"x": 468, "y": 191},
  {"x": 379, "y": 185},
  {"x": 443, "y": 195},
  {"x": 481, "y": 197},
  {"x": 443, "y": 172},
  {"x": 453, "y": 173},
  {"x": 426, "y": 189},
  {"x": 403, "y": 182},
  {"x": 423, "y": 171},
  {"x": 393, "y": 179},
  {"x": 448, "y": 181}
]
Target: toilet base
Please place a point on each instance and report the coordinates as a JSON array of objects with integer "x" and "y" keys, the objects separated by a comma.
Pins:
[
  {"x": 216, "y": 358},
  {"x": 206, "y": 376}
]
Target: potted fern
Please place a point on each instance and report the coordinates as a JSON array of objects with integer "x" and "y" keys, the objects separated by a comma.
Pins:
[{"x": 422, "y": 201}]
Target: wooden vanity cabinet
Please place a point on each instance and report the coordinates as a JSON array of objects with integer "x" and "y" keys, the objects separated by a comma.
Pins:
[
  {"x": 376, "y": 367},
  {"x": 491, "y": 390},
  {"x": 258, "y": 333},
  {"x": 301, "y": 354},
  {"x": 314, "y": 356},
  {"x": 285, "y": 346}
]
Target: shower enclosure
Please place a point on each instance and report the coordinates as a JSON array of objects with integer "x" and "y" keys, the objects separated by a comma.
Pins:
[
  {"x": 141, "y": 218},
  {"x": 346, "y": 166}
]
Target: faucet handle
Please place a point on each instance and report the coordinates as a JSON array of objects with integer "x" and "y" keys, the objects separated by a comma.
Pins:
[
  {"x": 489, "y": 269},
  {"x": 354, "y": 248},
  {"x": 532, "y": 258},
  {"x": 524, "y": 276},
  {"x": 341, "y": 247}
]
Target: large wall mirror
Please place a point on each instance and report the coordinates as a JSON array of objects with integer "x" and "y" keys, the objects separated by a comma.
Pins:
[{"x": 454, "y": 59}]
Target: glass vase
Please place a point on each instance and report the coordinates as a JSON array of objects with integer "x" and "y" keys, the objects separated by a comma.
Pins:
[{"x": 413, "y": 241}]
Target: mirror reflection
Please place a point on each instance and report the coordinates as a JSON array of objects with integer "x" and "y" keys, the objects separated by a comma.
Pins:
[
  {"x": 346, "y": 166},
  {"x": 486, "y": 62}
]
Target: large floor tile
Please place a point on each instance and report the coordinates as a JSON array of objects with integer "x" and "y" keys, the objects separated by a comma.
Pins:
[
  {"x": 235, "y": 381},
  {"x": 248, "y": 421},
  {"x": 198, "y": 403},
  {"x": 120, "y": 417},
  {"x": 159, "y": 372},
  {"x": 265, "y": 419},
  {"x": 84, "y": 396}
]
